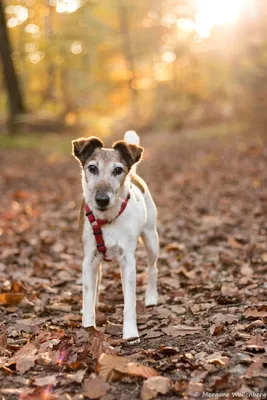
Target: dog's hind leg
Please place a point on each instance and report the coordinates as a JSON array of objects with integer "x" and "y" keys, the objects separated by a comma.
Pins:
[
  {"x": 99, "y": 277},
  {"x": 151, "y": 243}
]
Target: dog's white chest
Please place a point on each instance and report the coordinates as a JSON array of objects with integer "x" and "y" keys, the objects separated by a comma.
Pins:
[{"x": 121, "y": 235}]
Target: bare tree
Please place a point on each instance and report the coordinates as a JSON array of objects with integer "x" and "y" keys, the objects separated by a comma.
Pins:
[{"x": 16, "y": 104}]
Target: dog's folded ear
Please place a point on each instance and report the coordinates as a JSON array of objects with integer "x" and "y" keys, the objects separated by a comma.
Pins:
[
  {"x": 83, "y": 148},
  {"x": 130, "y": 153}
]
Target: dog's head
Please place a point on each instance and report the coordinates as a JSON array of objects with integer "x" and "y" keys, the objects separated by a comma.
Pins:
[{"x": 105, "y": 170}]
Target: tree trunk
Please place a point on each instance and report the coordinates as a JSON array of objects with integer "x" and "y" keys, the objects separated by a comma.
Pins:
[
  {"x": 127, "y": 51},
  {"x": 16, "y": 104}
]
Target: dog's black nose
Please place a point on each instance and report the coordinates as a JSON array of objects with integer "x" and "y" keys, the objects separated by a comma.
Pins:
[{"x": 102, "y": 199}]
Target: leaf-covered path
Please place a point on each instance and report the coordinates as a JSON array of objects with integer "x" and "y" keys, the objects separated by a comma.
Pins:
[{"x": 208, "y": 333}]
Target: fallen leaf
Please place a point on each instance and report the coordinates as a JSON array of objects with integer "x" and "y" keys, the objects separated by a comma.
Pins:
[
  {"x": 112, "y": 367},
  {"x": 95, "y": 387},
  {"x": 11, "y": 299},
  {"x": 96, "y": 339},
  {"x": 174, "y": 246},
  {"x": 234, "y": 243},
  {"x": 113, "y": 329},
  {"x": 246, "y": 270},
  {"x": 179, "y": 310},
  {"x": 78, "y": 376},
  {"x": 255, "y": 344},
  {"x": 256, "y": 369},
  {"x": 195, "y": 389},
  {"x": 147, "y": 393},
  {"x": 25, "y": 358},
  {"x": 153, "y": 333},
  {"x": 229, "y": 289},
  {"x": 253, "y": 313},
  {"x": 224, "y": 318},
  {"x": 188, "y": 274},
  {"x": 218, "y": 360},
  {"x": 181, "y": 330},
  {"x": 217, "y": 329},
  {"x": 100, "y": 317},
  {"x": 221, "y": 382},
  {"x": 3, "y": 339},
  {"x": 47, "y": 380},
  {"x": 154, "y": 385}
]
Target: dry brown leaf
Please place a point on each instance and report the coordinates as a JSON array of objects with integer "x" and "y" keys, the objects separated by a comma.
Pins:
[
  {"x": 174, "y": 246},
  {"x": 47, "y": 380},
  {"x": 59, "y": 307},
  {"x": 78, "y": 376},
  {"x": 100, "y": 317},
  {"x": 188, "y": 274},
  {"x": 112, "y": 367},
  {"x": 256, "y": 369},
  {"x": 255, "y": 344},
  {"x": 253, "y": 313},
  {"x": 234, "y": 243},
  {"x": 11, "y": 299},
  {"x": 95, "y": 387},
  {"x": 177, "y": 309},
  {"x": 200, "y": 308},
  {"x": 3, "y": 339},
  {"x": 221, "y": 382},
  {"x": 229, "y": 289},
  {"x": 224, "y": 318},
  {"x": 153, "y": 333},
  {"x": 217, "y": 329},
  {"x": 25, "y": 358},
  {"x": 140, "y": 308},
  {"x": 246, "y": 270},
  {"x": 156, "y": 384},
  {"x": 195, "y": 389},
  {"x": 108, "y": 397},
  {"x": 147, "y": 393},
  {"x": 113, "y": 329},
  {"x": 181, "y": 330},
  {"x": 96, "y": 339},
  {"x": 218, "y": 360}
]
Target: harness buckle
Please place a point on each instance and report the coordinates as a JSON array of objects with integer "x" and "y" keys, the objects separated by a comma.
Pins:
[{"x": 101, "y": 248}]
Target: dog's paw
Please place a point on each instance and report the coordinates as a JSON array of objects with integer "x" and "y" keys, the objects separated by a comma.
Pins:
[
  {"x": 130, "y": 331},
  {"x": 151, "y": 299},
  {"x": 86, "y": 322}
]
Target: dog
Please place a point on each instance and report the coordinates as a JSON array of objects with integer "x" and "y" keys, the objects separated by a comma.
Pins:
[{"x": 117, "y": 209}]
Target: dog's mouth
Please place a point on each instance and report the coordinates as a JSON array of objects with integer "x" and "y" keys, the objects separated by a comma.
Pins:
[{"x": 102, "y": 208}]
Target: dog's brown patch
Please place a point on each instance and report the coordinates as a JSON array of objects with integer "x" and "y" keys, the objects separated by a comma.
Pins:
[
  {"x": 83, "y": 148},
  {"x": 139, "y": 182},
  {"x": 130, "y": 153}
]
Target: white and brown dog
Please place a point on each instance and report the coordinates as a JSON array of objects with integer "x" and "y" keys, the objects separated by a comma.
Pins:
[{"x": 117, "y": 210}]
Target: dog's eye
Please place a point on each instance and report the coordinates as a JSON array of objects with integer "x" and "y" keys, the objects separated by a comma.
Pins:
[
  {"x": 92, "y": 169},
  {"x": 118, "y": 171}
]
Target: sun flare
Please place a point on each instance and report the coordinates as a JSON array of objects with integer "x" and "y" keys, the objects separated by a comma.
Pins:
[{"x": 216, "y": 12}]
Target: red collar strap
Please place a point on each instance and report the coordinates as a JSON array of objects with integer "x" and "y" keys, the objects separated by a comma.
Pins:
[{"x": 96, "y": 226}]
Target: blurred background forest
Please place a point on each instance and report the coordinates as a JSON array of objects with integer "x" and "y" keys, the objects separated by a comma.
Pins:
[{"x": 106, "y": 66}]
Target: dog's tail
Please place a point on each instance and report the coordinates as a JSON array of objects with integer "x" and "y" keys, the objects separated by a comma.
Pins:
[{"x": 131, "y": 137}]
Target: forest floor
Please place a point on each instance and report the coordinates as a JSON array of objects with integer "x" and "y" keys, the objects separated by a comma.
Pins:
[{"x": 206, "y": 338}]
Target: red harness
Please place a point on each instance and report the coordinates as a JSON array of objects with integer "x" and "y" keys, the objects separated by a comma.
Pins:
[{"x": 96, "y": 226}]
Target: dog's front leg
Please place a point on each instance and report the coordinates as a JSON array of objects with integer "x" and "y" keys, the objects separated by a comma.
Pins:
[
  {"x": 128, "y": 272},
  {"x": 90, "y": 271}
]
